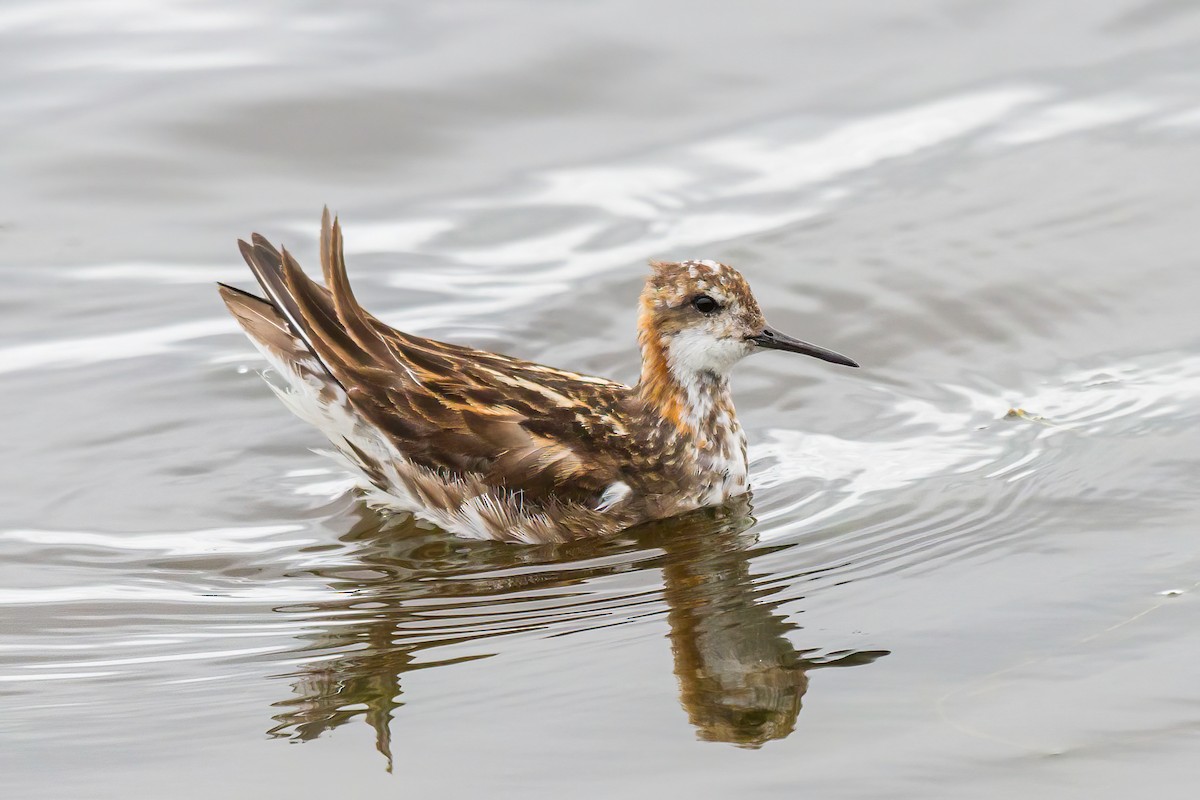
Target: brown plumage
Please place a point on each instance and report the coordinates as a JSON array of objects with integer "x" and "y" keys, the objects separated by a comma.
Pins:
[{"x": 491, "y": 446}]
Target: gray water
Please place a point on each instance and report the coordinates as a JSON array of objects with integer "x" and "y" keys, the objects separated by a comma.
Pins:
[{"x": 993, "y": 207}]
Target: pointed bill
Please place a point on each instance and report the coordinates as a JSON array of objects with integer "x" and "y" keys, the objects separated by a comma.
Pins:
[{"x": 771, "y": 339}]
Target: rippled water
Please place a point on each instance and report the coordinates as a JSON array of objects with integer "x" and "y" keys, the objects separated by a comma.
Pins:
[{"x": 968, "y": 569}]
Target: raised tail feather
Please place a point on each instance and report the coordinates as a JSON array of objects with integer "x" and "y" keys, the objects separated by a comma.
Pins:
[{"x": 330, "y": 322}]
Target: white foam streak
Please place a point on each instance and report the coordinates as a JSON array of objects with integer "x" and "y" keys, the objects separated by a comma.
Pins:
[
  {"x": 865, "y": 143},
  {"x": 1062, "y": 119},
  {"x": 165, "y": 657},
  {"x": 109, "y": 347},
  {"x": 57, "y": 676},
  {"x": 187, "y": 543},
  {"x": 125, "y": 16},
  {"x": 159, "y": 593},
  {"x": 167, "y": 274},
  {"x": 633, "y": 190},
  {"x": 386, "y": 237}
]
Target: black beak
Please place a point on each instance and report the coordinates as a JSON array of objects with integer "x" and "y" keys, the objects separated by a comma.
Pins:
[{"x": 772, "y": 339}]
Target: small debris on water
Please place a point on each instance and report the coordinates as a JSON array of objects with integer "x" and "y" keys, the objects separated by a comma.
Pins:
[{"x": 1020, "y": 413}]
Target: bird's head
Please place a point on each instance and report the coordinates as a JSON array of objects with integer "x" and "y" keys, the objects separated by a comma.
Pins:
[{"x": 699, "y": 318}]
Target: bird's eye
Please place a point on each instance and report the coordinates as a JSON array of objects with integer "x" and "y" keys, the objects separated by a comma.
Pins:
[{"x": 705, "y": 304}]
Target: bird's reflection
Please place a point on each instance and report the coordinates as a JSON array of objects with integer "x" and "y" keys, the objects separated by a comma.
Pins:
[{"x": 411, "y": 590}]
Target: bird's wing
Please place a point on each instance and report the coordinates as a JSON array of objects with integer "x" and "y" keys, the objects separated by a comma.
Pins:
[{"x": 547, "y": 433}]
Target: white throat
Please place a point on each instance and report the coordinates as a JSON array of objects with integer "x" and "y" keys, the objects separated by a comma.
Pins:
[{"x": 693, "y": 353}]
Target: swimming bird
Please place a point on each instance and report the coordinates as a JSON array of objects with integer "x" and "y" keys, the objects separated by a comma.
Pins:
[{"x": 488, "y": 446}]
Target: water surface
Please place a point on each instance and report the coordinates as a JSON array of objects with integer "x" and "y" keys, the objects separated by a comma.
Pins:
[{"x": 968, "y": 569}]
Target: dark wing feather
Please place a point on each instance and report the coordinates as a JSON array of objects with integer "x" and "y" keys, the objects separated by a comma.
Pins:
[{"x": 550, "y": 434}]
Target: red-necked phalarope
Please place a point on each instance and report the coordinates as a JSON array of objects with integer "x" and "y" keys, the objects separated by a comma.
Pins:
[{"x": 492, "y": 447}]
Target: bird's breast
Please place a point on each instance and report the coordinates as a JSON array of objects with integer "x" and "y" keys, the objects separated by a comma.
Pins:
[{"x": 722, "y": 470}]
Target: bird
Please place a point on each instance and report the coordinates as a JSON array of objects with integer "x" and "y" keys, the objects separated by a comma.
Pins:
[{"x": 487, "y": 446}]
